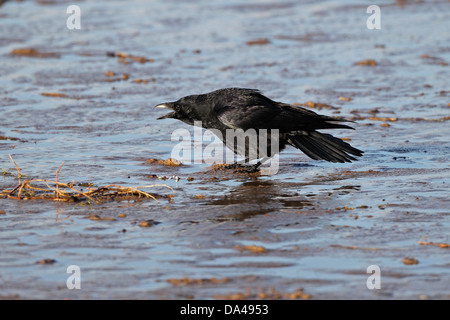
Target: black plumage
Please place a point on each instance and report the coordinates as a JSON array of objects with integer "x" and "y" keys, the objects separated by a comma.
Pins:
[{"x": 246, "y": 109}]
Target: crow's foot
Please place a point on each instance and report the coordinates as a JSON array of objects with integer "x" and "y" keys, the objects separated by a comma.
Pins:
[{"x": 238, "y": 167}]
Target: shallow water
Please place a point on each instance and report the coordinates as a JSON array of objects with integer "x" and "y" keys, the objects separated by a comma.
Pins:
[{"x": 321, "y": 224}]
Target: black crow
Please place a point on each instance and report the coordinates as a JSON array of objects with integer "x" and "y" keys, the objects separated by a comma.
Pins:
[{"x": 247, "y": 109}]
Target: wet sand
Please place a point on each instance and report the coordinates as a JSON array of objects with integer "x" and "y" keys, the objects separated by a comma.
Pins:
[{"x": 310, "y": 231}]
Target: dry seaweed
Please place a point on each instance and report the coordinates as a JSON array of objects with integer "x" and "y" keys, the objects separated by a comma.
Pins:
[
  {"x": 54, "y": 94},
  {"x": 184, "y": 281},
  {"x": 126, "y": 58},
  {"x": 367, "y": 62},
  {"x": 270, "y": 294},
  {"x": 54, "y": 190},
  {"x": 260, "y": 41},
  {"x": 168, "y": 162},
  {"x": 251, "y": 248},
  {"x": 440, "y": 245},
  {"x": 34, "y": 53}
]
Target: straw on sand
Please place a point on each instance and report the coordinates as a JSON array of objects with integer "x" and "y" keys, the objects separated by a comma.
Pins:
[{"x": 57, "y": 191}]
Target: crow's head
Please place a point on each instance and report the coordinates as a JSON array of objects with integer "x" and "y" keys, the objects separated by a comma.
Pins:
[{"x": 187, "y": 109}]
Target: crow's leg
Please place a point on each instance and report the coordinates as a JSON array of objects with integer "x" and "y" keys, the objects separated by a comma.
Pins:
[{"x": 262, "y": 161}]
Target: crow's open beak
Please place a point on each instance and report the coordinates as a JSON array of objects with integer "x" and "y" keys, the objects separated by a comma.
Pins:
[{"x": 165, "y": 106}]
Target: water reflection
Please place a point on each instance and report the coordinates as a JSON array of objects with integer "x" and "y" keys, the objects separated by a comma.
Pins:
[{"x": 259, "y": 197}]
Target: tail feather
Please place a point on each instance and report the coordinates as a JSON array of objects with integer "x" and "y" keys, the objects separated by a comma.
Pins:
[
  {"x": 333, "y": 123},
  {"x": 323, "y": 146}
]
